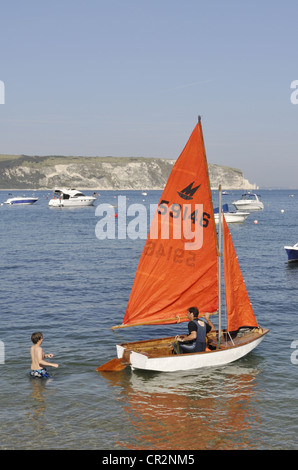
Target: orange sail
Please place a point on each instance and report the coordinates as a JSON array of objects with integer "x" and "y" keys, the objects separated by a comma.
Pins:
[
  {"x": 239, "y": 309},
  {"x": 178, "y": 266}
]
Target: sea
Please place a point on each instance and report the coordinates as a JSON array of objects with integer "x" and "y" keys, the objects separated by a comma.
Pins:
[{"x": 59, "y": 277}]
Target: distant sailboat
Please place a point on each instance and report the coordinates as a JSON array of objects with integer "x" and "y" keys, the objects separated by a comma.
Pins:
[{"x": 173, "y": 276}]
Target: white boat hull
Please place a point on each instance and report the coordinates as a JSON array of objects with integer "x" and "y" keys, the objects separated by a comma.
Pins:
[
  {"x": 21, "y": 201},
  {"x": 233, "y": 217},
  {"x": 292, "y": 252},
  {"x": 249, "y": 202},
  {"x": 178, "y": 362},
  {"x": 248, "y": 207},
  {"x": 88, "y": 201}
]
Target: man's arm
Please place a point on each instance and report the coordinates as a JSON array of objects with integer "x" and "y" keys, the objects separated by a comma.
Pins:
[
  {"x": 192, "y": 336},
  {"x": 206, "y": 316}
]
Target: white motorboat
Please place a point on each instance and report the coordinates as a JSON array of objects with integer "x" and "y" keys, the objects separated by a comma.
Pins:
[
  {"x": 249, "y": 202},
  {"x": 231, "y": 216},
  {"x": 71, "y": 198},
  {"x": 21, "y": 200},
  {"x": 292, "y": 252}
]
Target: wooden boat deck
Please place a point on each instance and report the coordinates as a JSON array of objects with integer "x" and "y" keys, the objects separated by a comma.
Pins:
[{"x": 163, "y": 347}]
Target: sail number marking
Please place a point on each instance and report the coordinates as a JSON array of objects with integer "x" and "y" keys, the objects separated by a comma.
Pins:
[
  {"x": 177, "y": 255},
  {"x": 176, "y": 210}
]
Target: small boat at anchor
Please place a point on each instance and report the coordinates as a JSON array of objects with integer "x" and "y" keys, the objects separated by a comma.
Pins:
[
  {"x": 175, "y": 273},
  {"x": 230, "y": 216},
  {"x": 249, "y": 202},
  {"x": 71, "y": 198},
  {"x": 21, "y": 200},
  {"x": 292, "y": 252}
]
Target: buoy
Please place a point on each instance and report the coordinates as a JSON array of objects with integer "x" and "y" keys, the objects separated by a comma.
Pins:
[
  {"x": 282, "y": 211},
  {"x": 256, "y": 222},
  {"x": 116, "y": 215}
]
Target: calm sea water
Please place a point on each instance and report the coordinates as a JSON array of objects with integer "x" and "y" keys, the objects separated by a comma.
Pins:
[{"x": 57, "y": 277}]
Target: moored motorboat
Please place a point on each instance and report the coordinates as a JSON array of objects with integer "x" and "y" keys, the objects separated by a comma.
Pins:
[
  {"x": 71, "y": 198},
  {"x": 21, "y": 200},
  {"x": 249, "y": 202},
  {"x": 230, "y": 216},
  {"x": 292, "y": 252}
]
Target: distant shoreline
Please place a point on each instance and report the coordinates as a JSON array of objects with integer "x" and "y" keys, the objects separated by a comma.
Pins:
[
  {"x": 108, "y": 173},
  {"x": 146, "y": 189}
]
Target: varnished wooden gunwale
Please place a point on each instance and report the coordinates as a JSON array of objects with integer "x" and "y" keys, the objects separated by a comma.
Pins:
[{"x": 163, "y": 347}]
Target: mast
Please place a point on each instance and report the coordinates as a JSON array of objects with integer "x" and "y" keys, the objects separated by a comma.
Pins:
[
  {"x": 219, "y": 263},
  {"x": 209, "y": 186}
]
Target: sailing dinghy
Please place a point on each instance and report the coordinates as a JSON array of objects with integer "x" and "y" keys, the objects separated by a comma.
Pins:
[{"x": 175, "y": 273}]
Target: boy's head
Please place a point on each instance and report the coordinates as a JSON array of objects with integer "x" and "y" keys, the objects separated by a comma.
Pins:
[{"x": 35, "y": 337}]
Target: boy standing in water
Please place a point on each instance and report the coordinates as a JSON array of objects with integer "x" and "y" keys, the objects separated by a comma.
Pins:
[{"x": 37, "y": 357}]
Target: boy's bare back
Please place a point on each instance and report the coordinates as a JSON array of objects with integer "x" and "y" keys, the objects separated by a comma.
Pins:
[{"x": 37, "y": 356}]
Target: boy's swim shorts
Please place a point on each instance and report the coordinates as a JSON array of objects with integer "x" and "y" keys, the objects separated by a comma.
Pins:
[{"x": 39, "y": 373}]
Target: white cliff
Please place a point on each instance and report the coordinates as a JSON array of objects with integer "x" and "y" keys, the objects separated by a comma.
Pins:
[{"x": 100, "y": 173}]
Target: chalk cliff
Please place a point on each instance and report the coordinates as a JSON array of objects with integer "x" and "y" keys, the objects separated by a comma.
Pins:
[{"x": 99, "y": 173}]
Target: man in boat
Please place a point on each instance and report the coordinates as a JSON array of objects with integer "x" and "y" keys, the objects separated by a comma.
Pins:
[{"x": 198, "y": 327}]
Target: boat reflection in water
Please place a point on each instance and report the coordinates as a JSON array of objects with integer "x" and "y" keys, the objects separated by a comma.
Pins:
[{"x": 215, "y": 409}]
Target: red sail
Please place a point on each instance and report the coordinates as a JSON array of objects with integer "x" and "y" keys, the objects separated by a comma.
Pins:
[
  {"x": 175, "y": 273},
  {"x": 239, "y": 309}
]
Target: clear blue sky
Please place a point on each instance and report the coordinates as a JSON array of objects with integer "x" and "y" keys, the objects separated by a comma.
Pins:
[{"x": 129, "y": 77}]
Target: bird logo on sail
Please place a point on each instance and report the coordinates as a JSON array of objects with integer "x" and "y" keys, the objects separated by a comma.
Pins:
[{"x": 188, "y": 192}]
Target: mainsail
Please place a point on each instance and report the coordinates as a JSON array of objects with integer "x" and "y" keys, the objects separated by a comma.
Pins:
[
  {"x": 176, "y": 272},
  {"x": 239, "y": 309}
]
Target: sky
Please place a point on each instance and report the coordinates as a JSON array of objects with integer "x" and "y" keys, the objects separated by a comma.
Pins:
[{"x": 129, "y": 78}]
